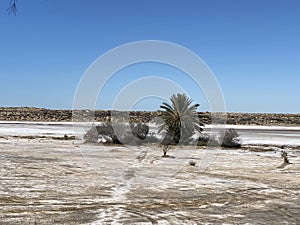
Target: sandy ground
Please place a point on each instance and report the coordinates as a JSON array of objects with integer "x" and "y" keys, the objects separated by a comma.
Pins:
[{"x": 47, "y": 181}]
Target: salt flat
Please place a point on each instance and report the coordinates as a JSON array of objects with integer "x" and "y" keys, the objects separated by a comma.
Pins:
[
  {"x": 46, "y": 181},
  {"x": 250, "y": 135}
]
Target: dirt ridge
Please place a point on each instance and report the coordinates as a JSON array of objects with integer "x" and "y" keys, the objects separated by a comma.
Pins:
[{"x": 47, "y": 115}]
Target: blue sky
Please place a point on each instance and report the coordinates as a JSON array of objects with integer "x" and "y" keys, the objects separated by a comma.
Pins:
[{"x": 252, "y": 47}]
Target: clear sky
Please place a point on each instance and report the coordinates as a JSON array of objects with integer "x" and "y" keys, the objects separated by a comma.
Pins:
[{"x": 252, "y": 47}]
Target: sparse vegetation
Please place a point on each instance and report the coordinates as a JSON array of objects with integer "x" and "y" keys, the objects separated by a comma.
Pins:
[
  {"x": 285, "y": 157},
  {"x": 205, "y": 140},
  {"x": 91, "y": 135},
  {"x": 166, "y": 148},
  {"x": 139, "y": 130},
  {"x": 105, "y": 133},
  {"x": 179, "y": 121},
  {"x": 231, "y": 139},
  {"x": 286, "y": 161}
]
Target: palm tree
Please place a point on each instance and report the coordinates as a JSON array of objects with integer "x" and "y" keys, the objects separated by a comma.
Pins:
[{"x": 180, "y": 120}]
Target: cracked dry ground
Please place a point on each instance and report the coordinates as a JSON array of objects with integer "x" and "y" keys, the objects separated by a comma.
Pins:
[{"x": 60, "y": 182}]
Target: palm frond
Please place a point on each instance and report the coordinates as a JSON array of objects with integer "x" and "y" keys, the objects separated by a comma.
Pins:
[
  {"x": 180, "y": 118},
  {"x": 12, "y": 9}
]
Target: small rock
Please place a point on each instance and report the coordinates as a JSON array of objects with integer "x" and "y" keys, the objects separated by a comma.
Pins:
[{"x": 192, "y": 163}]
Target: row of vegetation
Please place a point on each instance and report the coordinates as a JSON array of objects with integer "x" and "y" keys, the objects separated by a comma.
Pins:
[{"x": 179, "y": 125}]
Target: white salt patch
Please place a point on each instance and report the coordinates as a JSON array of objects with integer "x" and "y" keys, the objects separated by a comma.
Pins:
[{"x": 249, "y": 127}]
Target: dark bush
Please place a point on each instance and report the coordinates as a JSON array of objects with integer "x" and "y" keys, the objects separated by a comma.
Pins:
[
  {"x": 139, "y": 130},
  {"x": 231, "y": 139},
  {"x": 91, "y": 135},
  {"x": 105, "y": 131},
  {"x": 205, "y": 140}
]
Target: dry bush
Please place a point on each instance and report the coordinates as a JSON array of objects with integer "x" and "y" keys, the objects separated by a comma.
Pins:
[
  {"x": 231, "y": 139},
  {"x": 105, "y": 133}
]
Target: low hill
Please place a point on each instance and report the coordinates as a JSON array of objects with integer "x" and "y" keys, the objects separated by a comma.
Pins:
[{"x": 41, "y": 114}]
